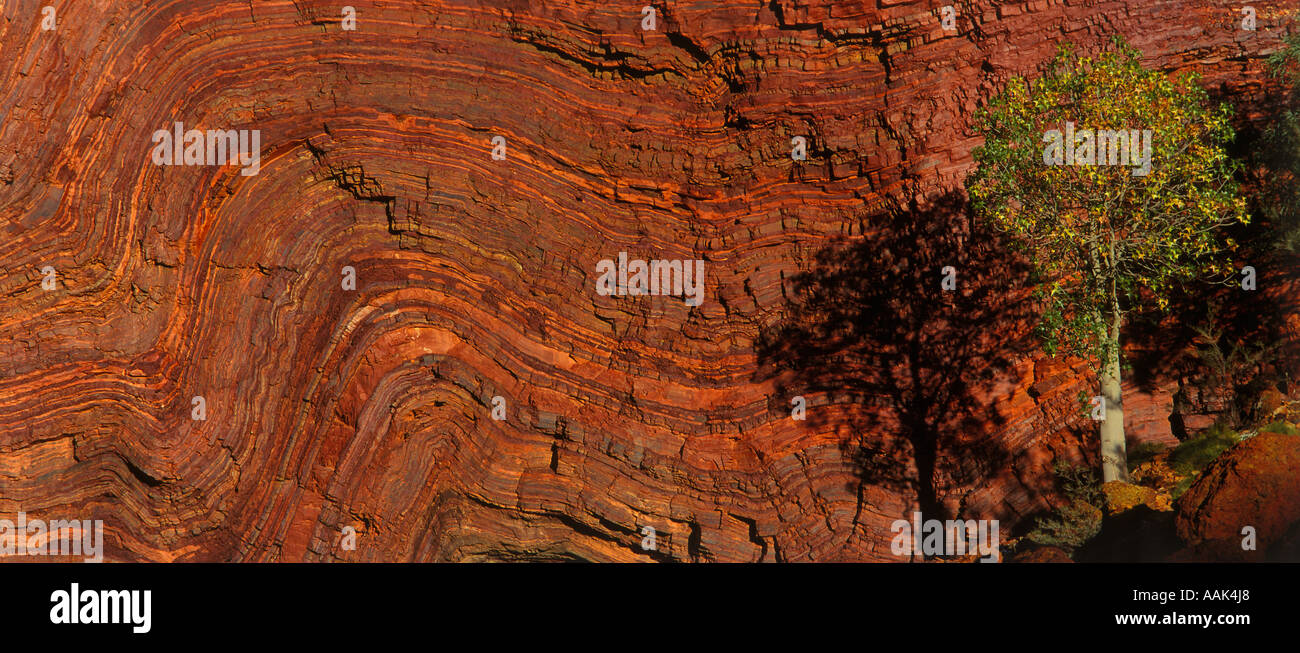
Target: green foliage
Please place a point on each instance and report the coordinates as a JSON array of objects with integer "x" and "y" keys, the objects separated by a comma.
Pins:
[
  {"x": 1280, "y": 427},
  {"x": 1143, "y": 452},
  {"x": 1104, "y": 240},
  {"x": 1180, "y": 487},
  {"x": 1192, "y": 456},
  {"x": 1073, "y": 524},
  {"x": 1079, "y": 483},
  {"x": 1195, "y": 454}
]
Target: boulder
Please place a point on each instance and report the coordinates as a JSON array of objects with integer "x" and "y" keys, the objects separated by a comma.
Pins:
[{"x": 1255, "y": 484}]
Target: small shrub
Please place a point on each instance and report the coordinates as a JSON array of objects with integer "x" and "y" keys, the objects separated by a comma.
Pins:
[
  {"x": 1072, "y": 525},
  {"x": 1079, "y": 483}
]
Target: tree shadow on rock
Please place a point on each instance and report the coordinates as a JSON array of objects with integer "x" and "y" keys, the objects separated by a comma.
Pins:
[{"x": 904, "y": 370}]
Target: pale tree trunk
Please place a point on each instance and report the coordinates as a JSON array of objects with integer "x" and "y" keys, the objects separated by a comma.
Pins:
[{"x": 1114, "y": 458}]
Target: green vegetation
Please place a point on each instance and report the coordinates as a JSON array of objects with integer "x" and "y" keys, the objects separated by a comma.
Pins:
[
  {"x": 1180, "y": 487},
  {"x": 1192, "y": 456},
  {"x": 1280, "y": 427},
  {"x": 1106, "y": 238},
  {"x": 1073, "y": 524},
  {"x": 1195, "y": 454},
  {"x": 1144, "y": 452}
]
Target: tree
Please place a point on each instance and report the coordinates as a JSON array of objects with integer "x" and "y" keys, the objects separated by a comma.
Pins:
[{"x": 1114, "y": 181}]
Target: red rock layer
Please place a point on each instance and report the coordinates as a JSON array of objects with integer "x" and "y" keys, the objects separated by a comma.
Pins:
[{"x": 371, "y": 408}]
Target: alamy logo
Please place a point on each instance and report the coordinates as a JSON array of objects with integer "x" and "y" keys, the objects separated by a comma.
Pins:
[
  {"x": 954, "y": 537},
  {"x": 655, "y": 277},
  {"x": 1088, "y": 147},
  {"x": 79, "y": 537},
  {"x": 214, "y": 147},
  {"x": 77, "y": 606}
]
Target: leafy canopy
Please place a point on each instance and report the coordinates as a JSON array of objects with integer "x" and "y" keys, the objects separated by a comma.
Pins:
[{"x": 1102, "y": 239}]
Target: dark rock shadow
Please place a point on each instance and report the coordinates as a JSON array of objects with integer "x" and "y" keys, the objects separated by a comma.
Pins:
[
  {"x": 1137, "y": 535},
  {"x": 911, "y": 372},
  {"x": 1268, "y": 149}
]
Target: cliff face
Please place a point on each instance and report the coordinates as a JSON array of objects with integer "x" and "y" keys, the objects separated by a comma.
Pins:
[{"x": 475, "y": 277}]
